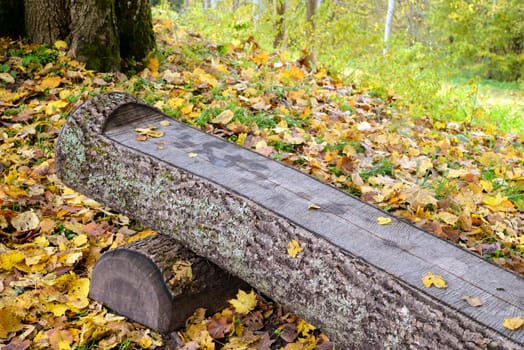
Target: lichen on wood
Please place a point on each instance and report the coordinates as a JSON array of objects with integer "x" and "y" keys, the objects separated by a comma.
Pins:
[{"x": 241, "y": 210}]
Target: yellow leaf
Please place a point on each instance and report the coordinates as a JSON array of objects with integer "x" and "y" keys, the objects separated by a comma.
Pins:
[
  {"x": 78, "y": 291},
  {"x": 448, "y": 218},
  {"x": 10, "y": 259},
  {"x": 175, "y": 102},
  {"x": 153, "y": 65},
  {"x": 304, "y": 328},
  {"x": 244, "y": 302},
  {"x": 513, "y": 323},
  {"x": 293, "y": 248},
  {"x": 55, "y": 106},
  {"x": 383, "y": 220},
  {"x": 188, "y": 108},
  {"x": 60, "y": 44},
  {"x": 9, "y": 322},
  {"x": 241, "y": 139},
  {"x": 261, "y": 58},
  {"x": 150, "y": 132},
  {"x": 165, "y": 123},
  {"x": 141, "y": 235},
  {"x": 48, "y": 83},
  {"x": 433, "y": 280},
  {"x": 224, "y": 117},
  {"x": 192, "y": 155},
  {"x": 26, "y": 221},
  {"x": 313, "y": 207}
]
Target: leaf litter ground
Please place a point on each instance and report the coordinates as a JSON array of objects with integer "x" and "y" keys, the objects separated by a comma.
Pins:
[{"x": 460, "y": 183}]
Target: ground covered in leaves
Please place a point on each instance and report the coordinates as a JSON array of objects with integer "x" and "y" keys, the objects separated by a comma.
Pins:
[{"x": 460, "y": 183}]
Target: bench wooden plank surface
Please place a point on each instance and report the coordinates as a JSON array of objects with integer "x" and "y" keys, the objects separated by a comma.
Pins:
[{"x": 359, "y": 281}]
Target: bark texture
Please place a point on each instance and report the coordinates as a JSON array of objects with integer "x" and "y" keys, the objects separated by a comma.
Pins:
[
  {"x": 48, "y": 28},
  {"x": 95, "y": 34},
  {"x": 12, "y": 18},
  {"x": 135, "y": 28},
  {"x": 139, "y": 282},
  {"x": 359, "y": 304}
]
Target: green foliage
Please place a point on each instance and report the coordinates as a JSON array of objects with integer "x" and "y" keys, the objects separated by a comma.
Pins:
[{"x": 432, "y": 45}]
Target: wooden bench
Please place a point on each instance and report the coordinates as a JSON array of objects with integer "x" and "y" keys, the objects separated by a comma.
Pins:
[{"x": 359, "y": 281}]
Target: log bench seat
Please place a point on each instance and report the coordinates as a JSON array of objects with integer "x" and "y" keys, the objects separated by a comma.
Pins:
[{"x": 359, "y": 281}]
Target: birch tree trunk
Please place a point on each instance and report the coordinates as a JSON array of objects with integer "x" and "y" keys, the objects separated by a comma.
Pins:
[{"x": 389, "y": 22}]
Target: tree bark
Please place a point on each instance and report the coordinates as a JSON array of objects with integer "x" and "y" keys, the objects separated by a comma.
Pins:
[
  {"x": 95, "y": 34},
  {"x": 310, "y": 58},
  {"x": 280, "y": 25},
  {"x": 138, "y": 281},
  {"x": 135, "y": 28},
  {"x": 51, "y": 27},
  {"x": 360, "y": 282},
  {"x": 12, "y": 18}
]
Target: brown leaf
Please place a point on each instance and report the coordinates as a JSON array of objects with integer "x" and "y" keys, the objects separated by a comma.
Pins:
[{"x": 218, "y": 327}]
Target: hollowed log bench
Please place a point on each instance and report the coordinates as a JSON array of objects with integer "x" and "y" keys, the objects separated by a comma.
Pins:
[{"x": 359, "y": 281}]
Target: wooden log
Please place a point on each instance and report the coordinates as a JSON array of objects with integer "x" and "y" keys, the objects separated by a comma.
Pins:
[
  {"x": 357, "y": 280},
  {"x": 159, "y": 283}
]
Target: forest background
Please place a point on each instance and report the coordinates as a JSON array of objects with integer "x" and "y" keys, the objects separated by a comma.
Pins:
[
  {"x": 415, "y": 124},
  {"x": 451, "y": 60}
]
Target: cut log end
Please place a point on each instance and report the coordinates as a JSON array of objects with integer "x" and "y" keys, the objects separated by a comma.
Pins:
[{"x": 159, "y": 283}]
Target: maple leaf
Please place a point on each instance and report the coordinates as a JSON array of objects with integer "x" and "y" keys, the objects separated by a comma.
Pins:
[{"x": 244, "y": 302}]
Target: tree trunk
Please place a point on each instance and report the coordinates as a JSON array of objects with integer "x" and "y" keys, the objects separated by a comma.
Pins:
[
  {"x": 135, "y": 28},
  {"x": 101, "y": 32},
  {"x": 389, "y": 22},
  {"x": 12, "y": 18},
  {"x": 51, "y": 27},
  {"x": 95, "y": 34},
  {"x": 310, "y": 58},
  {"x": 280, "y": 25}
]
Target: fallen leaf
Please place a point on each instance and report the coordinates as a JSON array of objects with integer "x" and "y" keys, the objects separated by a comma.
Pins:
[
  {"x": 313, "y": 207},
  {"x": 513, "y": 323},
  {"x": 433, "y": 280},
  {"x": 8, "y": 78},
  {"x": 473, "y": 301},
  {"x": 165, "y": 123},
  {"x": 9, "y": 322},
  {"x": 218, "y": 327},
  {"x": 224, "y": 117},
  {"x": 293, "y": 248},
  {"x": 383, "y": 220},
  {"x": 26, "y": 221},
  {"x": 182, "y": 271},
  {"x": 244, "y": 302},
  {"x": 60, "y": 44},
  {"x": 192, "y": 155}
]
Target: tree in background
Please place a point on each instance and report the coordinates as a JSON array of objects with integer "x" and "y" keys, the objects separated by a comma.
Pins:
[{"x": 101, "y": 33}]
